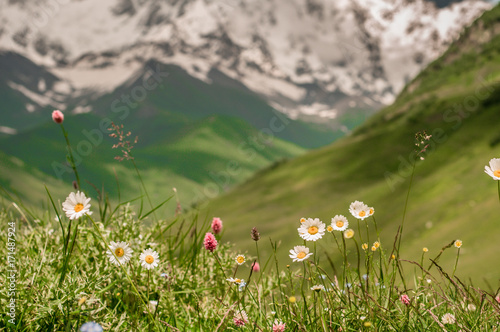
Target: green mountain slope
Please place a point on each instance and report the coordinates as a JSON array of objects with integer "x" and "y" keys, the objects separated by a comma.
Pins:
[
  {"x": 456, "y": 99},
  {"x": 17, "y": 71},
  {"x": 203, "y": 159},
  {"x": 176, "y": 98},
  {"x": 26, "y": 184}
]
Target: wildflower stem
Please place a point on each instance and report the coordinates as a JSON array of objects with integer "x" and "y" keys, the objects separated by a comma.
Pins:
[
  {"x": 345, "y": 264},
  {"x": 58, "y": 217},
  {"x": 147, "y": 284},
  {"x": 376, "y": 228},
  {"x": 422, "y": 265},
  {"x": 359, "y": 232},
  {"x": 406, "y": 206},
  {"x": 367, "y": 233},
  {"x": 359, "y": 262},
  {"x": 456, "y": 263},
  {"x": 303, "y": 275},
  {"x": 338, "y": 245},
  {"x": 498, "y": 182},
  {"x": 235, "y": 270},
  {"x": 71, "y": 159},
  {"x": 220, "y": 265},
  {"x": 66, "y": 243},
  {"x": 143, "y": 187},
  {"x": 68, "y": 254},
  {"x": 258, "y": 259},
  {"x": 315, "y": 258}
]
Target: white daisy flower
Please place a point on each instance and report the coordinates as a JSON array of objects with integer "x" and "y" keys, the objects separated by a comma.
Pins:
[
  {"x": 349, "y": 233},
  {"x": 339, "y": 223},
  {"x": 359, "y": 210},
  {"x": 236, "y": 281},
  {"x": 76, "y": 205},
  {"x": 318, "y": 288},
  {"x": 149, "y": 259},
  {"x": 240, "y": 259},
  {"x": 312, "y": 229},
  {"x": 300, "y": 253},
  {"x": 494, "y": 169},
  {"x": 371, "y": 211},
  {"x": 122, "y": 252}
]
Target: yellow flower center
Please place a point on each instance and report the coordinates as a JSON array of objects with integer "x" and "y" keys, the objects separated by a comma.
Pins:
[
  {"x": 78, "y": 207},
  {"x": 302, "y": 219},
  {"x": 119, "y": 252},
  {"x": 497, "y": 173},
  {"x": 339, "y": 223},
  {"x": 240, "y": 259},
  {"x": 362, "y": 213},
  {"x": 376, "y": 244},
  {"x": 313, "y": 230},
  {"x": 364, "y": 246},
  {"x": 301, "y": 255},
  {"x": 237, "y": 281},
  {"x": 292, "y": 299},
  {"x": 149, "y": 259},
  {"x": 329, "y": 228},
  {"x": 371, "y": 211}
]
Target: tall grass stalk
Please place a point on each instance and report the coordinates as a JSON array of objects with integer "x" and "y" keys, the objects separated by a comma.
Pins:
[{"x": 71, "y": 159}]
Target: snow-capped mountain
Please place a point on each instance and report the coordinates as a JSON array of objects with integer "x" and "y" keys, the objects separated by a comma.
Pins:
[{"x": 311, "y": 59}]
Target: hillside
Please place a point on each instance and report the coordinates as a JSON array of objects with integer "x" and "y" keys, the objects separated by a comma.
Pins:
[
  {"x": 181, "y": 161},
  {"x": 456, "y": 99}
]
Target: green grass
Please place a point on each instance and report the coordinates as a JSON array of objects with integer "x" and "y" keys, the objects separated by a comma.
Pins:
[
  {"x": 61, "y": 277},
  {"x": 60, "y": 285}
]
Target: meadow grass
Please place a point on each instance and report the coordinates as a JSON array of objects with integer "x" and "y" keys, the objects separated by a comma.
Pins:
[
  {"x": 68, "y": 273},
  {"x": 199, "y": 290}
]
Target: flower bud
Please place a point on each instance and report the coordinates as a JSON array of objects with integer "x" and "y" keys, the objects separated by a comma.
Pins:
[{"x": 57, "y": 116}]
